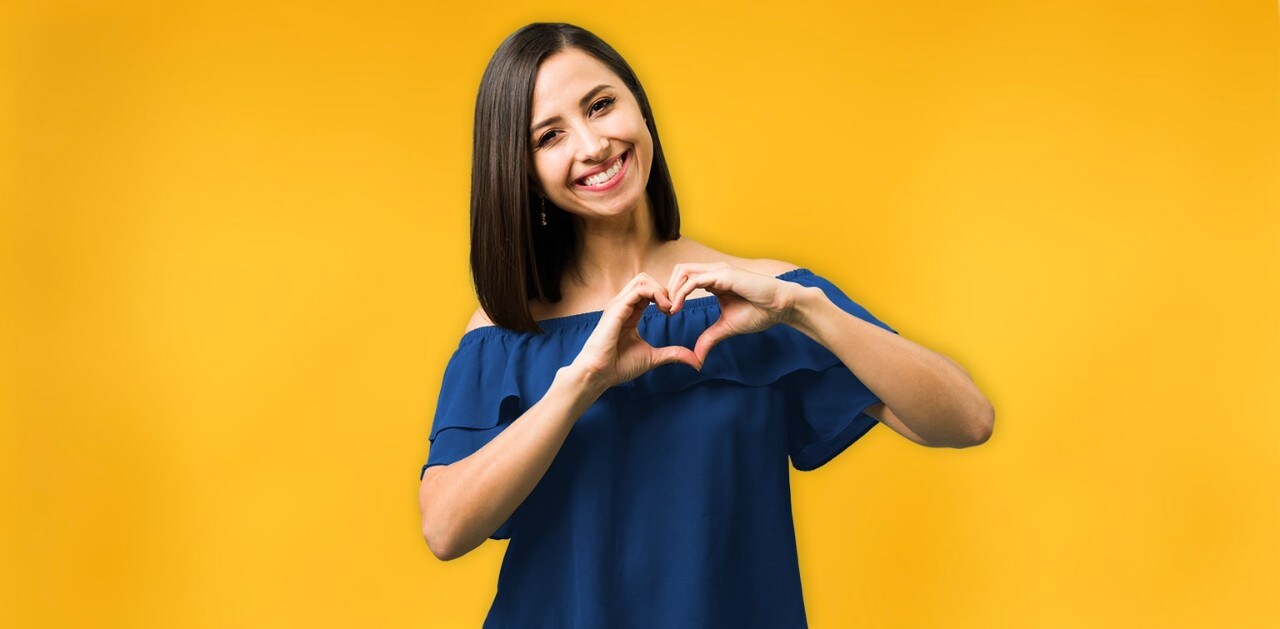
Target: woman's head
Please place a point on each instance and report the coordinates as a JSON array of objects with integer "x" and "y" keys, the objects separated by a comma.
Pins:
[
  {"x": 591, "y": 147},
  {"x": 552, "y": 71}
]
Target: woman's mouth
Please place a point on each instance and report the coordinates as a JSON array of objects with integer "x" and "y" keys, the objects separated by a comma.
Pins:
[{"x": 608, "y": 178}]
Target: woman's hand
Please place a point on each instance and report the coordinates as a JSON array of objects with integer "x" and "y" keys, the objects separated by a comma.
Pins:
[
  {"x": 749, "y": 302},
  {"x": 615, "y": 352}
]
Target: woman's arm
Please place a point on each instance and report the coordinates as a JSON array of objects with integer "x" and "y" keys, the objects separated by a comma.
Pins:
[
  {"x": 465, "y": 502},
  {"x": 921, "y": 390},
  {"x": 933, "y": 401}
]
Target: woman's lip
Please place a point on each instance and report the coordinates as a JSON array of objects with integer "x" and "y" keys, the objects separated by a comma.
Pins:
[{"x": 626, "y": 164}]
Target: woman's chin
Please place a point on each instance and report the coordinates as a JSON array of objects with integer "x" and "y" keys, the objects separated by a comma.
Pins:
[{"x": 612, "y": 208}]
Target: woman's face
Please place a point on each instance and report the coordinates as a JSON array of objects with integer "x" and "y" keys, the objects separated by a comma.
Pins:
[{"x": 591, "y": 148}]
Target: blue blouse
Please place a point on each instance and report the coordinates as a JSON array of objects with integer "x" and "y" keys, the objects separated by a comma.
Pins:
[{"x": 669, "y": 504}]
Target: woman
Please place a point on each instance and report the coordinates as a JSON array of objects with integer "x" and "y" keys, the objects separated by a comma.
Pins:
[{"x": 638, "y": 484}]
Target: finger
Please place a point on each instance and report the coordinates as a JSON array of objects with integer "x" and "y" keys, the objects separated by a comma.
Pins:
[
  {"x": 677, "y": 298},
  {"x": 621, "y": 309},
  {"x": 677, "y": 354},
  {"x": 654, "y": 292},
  {"x": 711, "y": 337},
  {"x": 632, "y": 321},
  {"x": 713, "y": 281},
  {"x": 716, "y": 282},
  {"x": 681, "y": 272},
  {"x": 626, "y": 309},
  {"x": 657, "y": 292},
  {"x": 678, "y": 275}
]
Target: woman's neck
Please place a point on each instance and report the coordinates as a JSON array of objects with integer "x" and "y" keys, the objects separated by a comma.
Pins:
[{"x": 613, "y": 251}]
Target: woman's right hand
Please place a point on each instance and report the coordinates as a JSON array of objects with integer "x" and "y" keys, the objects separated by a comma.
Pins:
[{"x": 615, "y": 352}]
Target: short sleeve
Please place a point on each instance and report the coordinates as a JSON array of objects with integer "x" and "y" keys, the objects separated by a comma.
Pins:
[
  {"x": 826, "y": 404},
  {"x": 455, "y": 444},
  {"x": 477, "y": 402}
]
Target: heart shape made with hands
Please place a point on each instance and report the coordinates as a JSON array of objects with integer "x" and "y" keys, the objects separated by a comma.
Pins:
[{"x": 749, "y": 302}]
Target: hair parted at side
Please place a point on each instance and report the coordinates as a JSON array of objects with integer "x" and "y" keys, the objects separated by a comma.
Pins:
[{"x": 514, "y": 257}]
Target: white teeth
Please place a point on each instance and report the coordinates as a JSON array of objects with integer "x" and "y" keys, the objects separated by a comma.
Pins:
[{"x": 600, "y": 178}]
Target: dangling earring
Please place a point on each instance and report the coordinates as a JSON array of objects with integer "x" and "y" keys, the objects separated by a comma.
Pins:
[{"x": 544, "y": 211}]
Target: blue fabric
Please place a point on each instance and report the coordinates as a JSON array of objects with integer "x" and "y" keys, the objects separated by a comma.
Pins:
[{"x": 669, "y": 503}]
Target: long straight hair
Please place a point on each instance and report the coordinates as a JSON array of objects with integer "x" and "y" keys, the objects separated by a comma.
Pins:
[{"x": 512, "y": 259}]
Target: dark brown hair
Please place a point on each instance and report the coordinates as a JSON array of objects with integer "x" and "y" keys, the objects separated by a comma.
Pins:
[{"x": 512, "y": 258}]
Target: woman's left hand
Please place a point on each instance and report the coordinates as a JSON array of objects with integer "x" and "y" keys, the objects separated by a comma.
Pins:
[{"x": 749, "y": 302}]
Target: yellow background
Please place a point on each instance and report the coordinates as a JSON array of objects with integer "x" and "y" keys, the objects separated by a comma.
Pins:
[{"x": 235, "y": 264}]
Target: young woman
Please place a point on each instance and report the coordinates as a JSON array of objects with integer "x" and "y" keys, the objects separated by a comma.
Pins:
[{"x": 623, "y": 404}]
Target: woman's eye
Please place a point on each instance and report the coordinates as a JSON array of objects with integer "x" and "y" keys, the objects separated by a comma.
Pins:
[
  {"x": 599, "y": 105},
  {"x": 603, "y": 101}
]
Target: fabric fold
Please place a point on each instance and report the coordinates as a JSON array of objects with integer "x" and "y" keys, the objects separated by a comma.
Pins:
[
  {"x": 477, "y": 395},
  {"x": 495, "y": 375}
]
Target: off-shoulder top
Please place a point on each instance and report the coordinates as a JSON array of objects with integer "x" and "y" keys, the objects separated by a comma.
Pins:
[{"x": 669, "y": 504}]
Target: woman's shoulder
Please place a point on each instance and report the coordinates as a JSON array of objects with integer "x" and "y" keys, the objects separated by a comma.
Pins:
[
  {"x": 695, "y": 251},
  {"x": 479, "y": 319},
  {"x": 765, "y": 266}
]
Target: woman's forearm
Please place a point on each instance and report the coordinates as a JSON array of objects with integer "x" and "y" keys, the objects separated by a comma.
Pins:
[
  {"x": 465, "y": 502},
  {"x": 929, "y": 393}
]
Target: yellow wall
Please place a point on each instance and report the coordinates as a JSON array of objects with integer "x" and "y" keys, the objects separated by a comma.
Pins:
[{"x": 234, "y": 265}]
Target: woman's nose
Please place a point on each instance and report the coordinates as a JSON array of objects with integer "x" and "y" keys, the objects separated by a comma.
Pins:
[{"x": 594, "y": 147}]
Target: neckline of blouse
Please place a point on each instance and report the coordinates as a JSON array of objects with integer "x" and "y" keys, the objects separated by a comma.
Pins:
[{"x": 556, "y": 323}]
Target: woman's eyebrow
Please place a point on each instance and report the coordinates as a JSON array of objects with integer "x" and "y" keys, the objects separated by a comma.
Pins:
[{"x": 582, "y": 102}]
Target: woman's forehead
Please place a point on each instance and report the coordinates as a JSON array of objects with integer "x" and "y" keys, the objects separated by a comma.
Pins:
[{"x": 570, "y": 73}]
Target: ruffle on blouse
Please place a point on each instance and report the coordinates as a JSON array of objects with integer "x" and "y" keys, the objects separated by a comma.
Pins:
[{"x": 496, "y": 374}]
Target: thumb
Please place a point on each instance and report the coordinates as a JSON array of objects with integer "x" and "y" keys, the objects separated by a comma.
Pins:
[
  {"x": 678, "y": 354},
  {"x": 710, "y": 338}
]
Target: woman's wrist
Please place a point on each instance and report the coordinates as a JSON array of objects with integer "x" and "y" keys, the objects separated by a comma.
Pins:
[
  {"x": 583, "y": 384},
  {"x": 805, "y": 301}
]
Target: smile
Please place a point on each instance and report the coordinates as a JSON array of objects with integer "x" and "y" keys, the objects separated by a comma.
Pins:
[{"x": 608, "y": 178}]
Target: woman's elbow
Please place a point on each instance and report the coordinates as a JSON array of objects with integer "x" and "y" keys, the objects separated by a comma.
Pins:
[
  {"x": 439, "y": 544},
  {"x": 435, "y": 530},
  {"x": 440, "y": 536},
  {"x": 983, "y": 425}
]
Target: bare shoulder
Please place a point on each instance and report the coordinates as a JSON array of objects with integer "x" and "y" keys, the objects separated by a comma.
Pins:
[
  {"x": 479, "y": 319},
  {"x": 766, "y": 266},
  {"x": 697, "y": 252}
]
